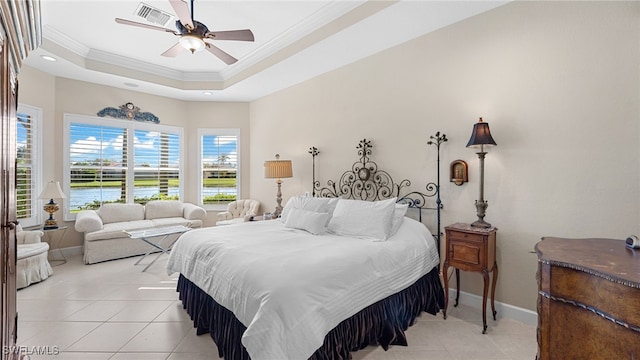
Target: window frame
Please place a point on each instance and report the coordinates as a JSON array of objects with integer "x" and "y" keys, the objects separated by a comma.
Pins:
[
  {"x": 219, "y": 132},
  {"x": 36, "y": 164},
  {"x": 131, "y": 127}
]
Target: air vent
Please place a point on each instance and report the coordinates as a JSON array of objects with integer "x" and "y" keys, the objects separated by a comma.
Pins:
[{"x": 154, "y": 15}]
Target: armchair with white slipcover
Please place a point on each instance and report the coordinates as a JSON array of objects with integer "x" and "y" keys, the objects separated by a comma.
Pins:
[{"x": 32, "y": 265}]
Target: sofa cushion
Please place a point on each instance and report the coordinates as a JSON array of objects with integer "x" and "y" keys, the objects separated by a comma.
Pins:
[
  {"x": 157, "y": 209},
  {"x": 113, "y": 213},
  {"x": 116, "y": 230}
]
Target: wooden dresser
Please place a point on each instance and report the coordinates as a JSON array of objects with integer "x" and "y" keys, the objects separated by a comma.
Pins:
[{"x": 588, "y": 299}]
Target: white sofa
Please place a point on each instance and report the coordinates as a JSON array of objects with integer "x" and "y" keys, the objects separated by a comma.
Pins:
[
  {"x": 104, "y": 237},
  {"x": 32, "y": 265},
  {"x": 237, "y": 211}
]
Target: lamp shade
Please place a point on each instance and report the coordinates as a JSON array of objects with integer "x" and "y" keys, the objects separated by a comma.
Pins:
[
  {"x": 278, "y": 169},
  {"x": 52, "y": 191},
  {"x": 192, "y": 43},
  {"x": 481, "y": 135}
]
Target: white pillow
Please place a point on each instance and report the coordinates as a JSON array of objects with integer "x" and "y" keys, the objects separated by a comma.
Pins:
[
  {"x": 322, "y": 205},
  {"x": 363, "y": 219},
  {"x": 311, "y": 221},
  {"x": 398, "y": 217}
]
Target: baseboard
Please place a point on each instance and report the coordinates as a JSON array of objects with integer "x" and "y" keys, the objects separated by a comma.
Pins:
[
  {"x": 67, "y": 251},
  {"x": 513, "y": 312}
]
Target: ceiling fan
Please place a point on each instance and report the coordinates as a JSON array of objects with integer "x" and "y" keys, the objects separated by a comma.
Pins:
[{"x": 193, "y": 33}]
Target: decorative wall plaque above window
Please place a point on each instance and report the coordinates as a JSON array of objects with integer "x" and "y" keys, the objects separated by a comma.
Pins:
[{"x": 130, "y": 112}]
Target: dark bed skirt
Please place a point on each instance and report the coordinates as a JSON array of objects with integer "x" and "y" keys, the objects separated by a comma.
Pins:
[{"x": 382, "y": 323}]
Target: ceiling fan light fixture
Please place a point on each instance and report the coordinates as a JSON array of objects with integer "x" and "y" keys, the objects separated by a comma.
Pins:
[{"x": 192, "y": 43}]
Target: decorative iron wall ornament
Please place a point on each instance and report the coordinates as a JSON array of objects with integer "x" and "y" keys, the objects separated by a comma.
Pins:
[
  {"x": 130, "y": 112},
  {"x": 365, "y": 181}
]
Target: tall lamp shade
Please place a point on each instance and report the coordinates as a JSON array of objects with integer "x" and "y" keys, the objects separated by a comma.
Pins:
[
  {"x": 52, "y": 191},
  {"x": 278, "y": 169},
  {"x": 481, "y": 137}
]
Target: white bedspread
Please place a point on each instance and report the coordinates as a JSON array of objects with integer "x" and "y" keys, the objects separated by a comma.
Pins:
[{"x": 290, "y": 288}]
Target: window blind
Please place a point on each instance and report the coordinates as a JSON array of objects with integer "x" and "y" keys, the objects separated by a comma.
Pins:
[
  {"x": 25, "y": 196},
  {"x": 98, "y": 165},
  {"x": 113, "y": 160},
  {"x": 219, "y": 165},
  {"x": 156, "y": 166}
]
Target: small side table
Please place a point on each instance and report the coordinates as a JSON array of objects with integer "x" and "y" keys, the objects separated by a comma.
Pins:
[
  {"x": 471, "y": 248},
  {"x": 54, "y": 237}
]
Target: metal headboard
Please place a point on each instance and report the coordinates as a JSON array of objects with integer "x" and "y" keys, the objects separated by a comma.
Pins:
[{"x": 364, "y": 181}]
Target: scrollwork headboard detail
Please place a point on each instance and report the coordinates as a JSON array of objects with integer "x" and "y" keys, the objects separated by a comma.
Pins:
[{"x": 365, "y": 181}]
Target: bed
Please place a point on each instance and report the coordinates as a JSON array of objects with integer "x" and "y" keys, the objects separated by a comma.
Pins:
[{"x": 340, "y": 271}]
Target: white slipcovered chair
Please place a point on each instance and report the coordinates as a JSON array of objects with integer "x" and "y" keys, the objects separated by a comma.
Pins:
[
  {"x": 32, "y": 265},
  {"x": 237, "y": 211}
]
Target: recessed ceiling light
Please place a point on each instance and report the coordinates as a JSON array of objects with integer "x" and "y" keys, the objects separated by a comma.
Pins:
[
  {"x": 207, "y": 93},
  {"x": 131, "y": 84},
  {"x": 48, "y": 58}
]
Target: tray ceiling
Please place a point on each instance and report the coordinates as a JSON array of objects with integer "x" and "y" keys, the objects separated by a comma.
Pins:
[{"x": 294, "y": 41}]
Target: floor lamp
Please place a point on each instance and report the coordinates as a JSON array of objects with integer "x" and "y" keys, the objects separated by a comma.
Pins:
[
  {"x": 52, "y": 191},
  {"x": 278, "y": 169},
  {"x": 481, "y": 137}
]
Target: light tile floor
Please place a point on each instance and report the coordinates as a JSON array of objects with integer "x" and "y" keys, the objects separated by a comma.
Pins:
[{"x": 112, "y": 310}]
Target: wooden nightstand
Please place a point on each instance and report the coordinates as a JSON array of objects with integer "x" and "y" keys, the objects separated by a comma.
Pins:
[{"x": 471, "y": 249}]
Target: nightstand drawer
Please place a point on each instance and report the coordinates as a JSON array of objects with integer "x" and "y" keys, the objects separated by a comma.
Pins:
[{"x": 457, "y": 235}]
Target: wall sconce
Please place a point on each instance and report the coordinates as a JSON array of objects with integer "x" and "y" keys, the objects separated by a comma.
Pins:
[
  {"x": 458, "y": 172},
  {"x": 481, "y": 137}
]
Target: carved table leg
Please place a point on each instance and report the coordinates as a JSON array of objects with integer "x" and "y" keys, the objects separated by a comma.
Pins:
[
  {"x": 445, "y": 279},
  {"x": 493, "y": 290},
  {"x": 485, "y": 275},
  {"x": 457, "y": 287}
]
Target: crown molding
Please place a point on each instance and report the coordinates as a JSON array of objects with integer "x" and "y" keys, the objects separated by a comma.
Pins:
[
  {"x": 62, "y": 40},
  {"x": 323, "y": 16}
]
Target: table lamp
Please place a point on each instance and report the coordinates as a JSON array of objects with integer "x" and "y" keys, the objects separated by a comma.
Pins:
[
  {"x": 278, "y": 169},
  {"x": 52, "y": 191}
]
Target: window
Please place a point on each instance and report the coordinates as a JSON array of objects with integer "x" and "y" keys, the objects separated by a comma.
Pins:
[
  {"x": 29, "y": 168},
  {"x": 123, "y": 161},
  {"x": 157, "y": 166},
  {"x": 219, "y": 159}
]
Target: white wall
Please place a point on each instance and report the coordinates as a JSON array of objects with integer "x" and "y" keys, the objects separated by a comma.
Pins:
[{"x": 558, "y": 82}]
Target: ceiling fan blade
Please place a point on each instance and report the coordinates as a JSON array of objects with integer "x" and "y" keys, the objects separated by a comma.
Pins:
[
  {"x": 228, "y": 59},
  {"x": 239, "y": 35},
  {"x": 173, "y": 51},
  {"x": 182, "y": 11},
  {"x": 133, "y": 23}
]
